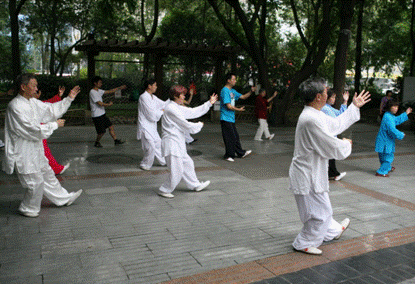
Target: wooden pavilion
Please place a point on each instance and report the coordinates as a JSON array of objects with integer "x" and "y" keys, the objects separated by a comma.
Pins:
[{"x": 160, "y": 49}]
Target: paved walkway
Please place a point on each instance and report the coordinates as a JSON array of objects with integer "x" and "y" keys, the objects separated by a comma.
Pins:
[{"x": 239, "y": 230}]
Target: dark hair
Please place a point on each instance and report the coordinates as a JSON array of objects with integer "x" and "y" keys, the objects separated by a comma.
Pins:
[
  {"x": 261, "y": 91},
  {"x": 23, "y": 79},
  {"x": 389, "y": 91},
  {"x": 309, "y": 89},
  {"x": 390, "y": 103},
  {"x": 95, "y": 79},
  {"x": 149, "y": 82},
  {"x": 229, "y": 76},
  {"x": 176, "y": 90}
]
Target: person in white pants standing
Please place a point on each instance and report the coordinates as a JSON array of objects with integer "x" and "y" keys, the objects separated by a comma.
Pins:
[
  {"x": 28, "y": 121},
  {"x": 150, "y": 110},
  {"x": 308, "y": 171},
  {"x": 173, "y": 146}
]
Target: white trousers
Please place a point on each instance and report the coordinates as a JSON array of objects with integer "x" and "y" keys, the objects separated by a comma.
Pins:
[
  {"x": 180, "y": 168},
  {"x": 262, "y": 129},
  {"x": 43, "y": 183},
  {"x": 316, "y": 214},
  {"x": 151, "y": 150}
]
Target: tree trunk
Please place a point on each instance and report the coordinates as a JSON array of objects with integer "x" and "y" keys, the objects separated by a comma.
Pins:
[
  {"x": 358, "y": 66},
  {"x": 340, "y": 62},
  {"x": 315, "y": 56},
  {"x": 14, "y": 11}
]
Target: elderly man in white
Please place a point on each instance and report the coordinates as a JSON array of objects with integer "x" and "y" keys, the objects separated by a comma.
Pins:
[
  {"x": 173, "y": 146},
  {"x": 315, "y": 144},
  {"x": 150, "y": 110},
  {"x": 28, "y": 121}
]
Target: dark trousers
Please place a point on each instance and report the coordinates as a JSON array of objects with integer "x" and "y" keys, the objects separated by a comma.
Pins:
[
  {"x": 332, "y": 169},
  {"x": 231, "y": 139}
]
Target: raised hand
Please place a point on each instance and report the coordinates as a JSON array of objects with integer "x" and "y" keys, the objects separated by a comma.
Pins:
[
  {"x": 61, "y": 122},
  {"x": 74, "y": 92},
  {"x": 61, "y": 90},
  {"x": 408, "y": 110},
  {"x": 213, "y": 98},
  {"x": 361, "y": 99},
  {"x": 345, "y": 97}
]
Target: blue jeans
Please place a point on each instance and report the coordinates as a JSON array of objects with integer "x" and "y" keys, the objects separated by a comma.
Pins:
[{"x": 386, "y": 160}]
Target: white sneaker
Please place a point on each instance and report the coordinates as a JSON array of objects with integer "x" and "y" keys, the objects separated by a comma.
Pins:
[
  {"x": 345, "y": 224},
  {"x": 74, "y": 197},
  {"x": 230, "y": 159},
  {"x": 65, "y": 168},
  {"x": 247, "y": 153},
  {"x": 340, "y": 176},
  {"x": 310, "y": 250},
  {"x": 271, "y": 136},
  {"x": 144, "y": 168},
  {"x": 166, "y": 195},
  {"x": 202, "y": 186},
  {"x": 259, "y": 139},
  {"x": 28, "y": 214}
]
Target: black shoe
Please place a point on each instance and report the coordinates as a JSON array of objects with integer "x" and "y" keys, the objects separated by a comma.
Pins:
[
  {"x": 118, "y": 142},
  {"x": 98, "y": 145},
  {"x": 194, "y": 140}
]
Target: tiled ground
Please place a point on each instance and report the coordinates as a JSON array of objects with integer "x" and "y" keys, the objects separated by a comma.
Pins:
[{"x": 237, "y": 231}]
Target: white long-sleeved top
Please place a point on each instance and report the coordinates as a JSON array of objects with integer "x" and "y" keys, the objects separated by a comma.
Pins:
[
  {"x": 174, "y": 126},
  {"x": 27, "y": 123},
  {"x": 315, "y": 144},
  {"x": 150, "y": 109}
]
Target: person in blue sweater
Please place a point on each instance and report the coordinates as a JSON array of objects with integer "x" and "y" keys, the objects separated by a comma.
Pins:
[
  {"x": 385, "y": 140},
  {"x": 328, "y": 109}
]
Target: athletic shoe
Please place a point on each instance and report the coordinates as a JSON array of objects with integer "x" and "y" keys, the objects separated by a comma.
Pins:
[
  {"x": 98, "y": 145},
  {"x": 144, "y": 168},
  {"x": 65, "y": 168},
  {"x": 230, "y": 159},
  {"x": 74, "y": 197},
  {"x": 310, "y": 250},
  {"x": 271, "y": 136},
  {"x": 345, "y": 224},
  {"x": 340, "y": 176},
  {"x": 247, "y": 152},
  {"x": 118, "y": 142},
  {"x": 166, "y": 195},
  {"x": 28, "y": 214},
  {"x": 202, "y": 186},
  {"x": 258, "y": 139}
]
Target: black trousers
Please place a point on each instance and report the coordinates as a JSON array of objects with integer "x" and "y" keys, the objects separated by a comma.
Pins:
[
  {"x": 333, "y": 172},
  {"x": 231, "y": 139}
]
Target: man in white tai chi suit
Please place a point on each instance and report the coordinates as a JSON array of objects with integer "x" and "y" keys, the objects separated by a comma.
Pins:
[
  {"x": 28, "y": 121},
  {"x": 173, "y": 146},
  {"x": 315, "y": 144},
  {"x": 150, "y": 110}
]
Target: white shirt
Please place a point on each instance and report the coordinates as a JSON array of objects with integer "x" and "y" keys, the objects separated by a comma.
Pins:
[
  {"x": 94, "y": 97},
  {"x": 150, "y": 109},
  {"x": 175, "y": 125},
  {"x": 24, "y": 132},
  {"x": 315, "y": 144}
]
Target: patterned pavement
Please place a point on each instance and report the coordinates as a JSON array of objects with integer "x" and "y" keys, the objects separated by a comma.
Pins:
[{"x": 238, "y": 230}]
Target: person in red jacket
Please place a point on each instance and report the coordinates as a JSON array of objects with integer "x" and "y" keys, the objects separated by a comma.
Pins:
[
  {"x": 56, "y": 167},
  {"x": 261, "y": 107}
]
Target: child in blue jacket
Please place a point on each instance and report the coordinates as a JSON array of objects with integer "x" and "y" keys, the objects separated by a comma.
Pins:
[{"x": 385, "y": 141}]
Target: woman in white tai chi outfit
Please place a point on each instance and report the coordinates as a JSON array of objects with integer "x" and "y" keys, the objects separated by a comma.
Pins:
[
  {"x": 308, "y": 171},
  {"x": 28, "y": 121},
  {"x": 173, "y": 146},
  {"x": 150, "y": 109}
]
